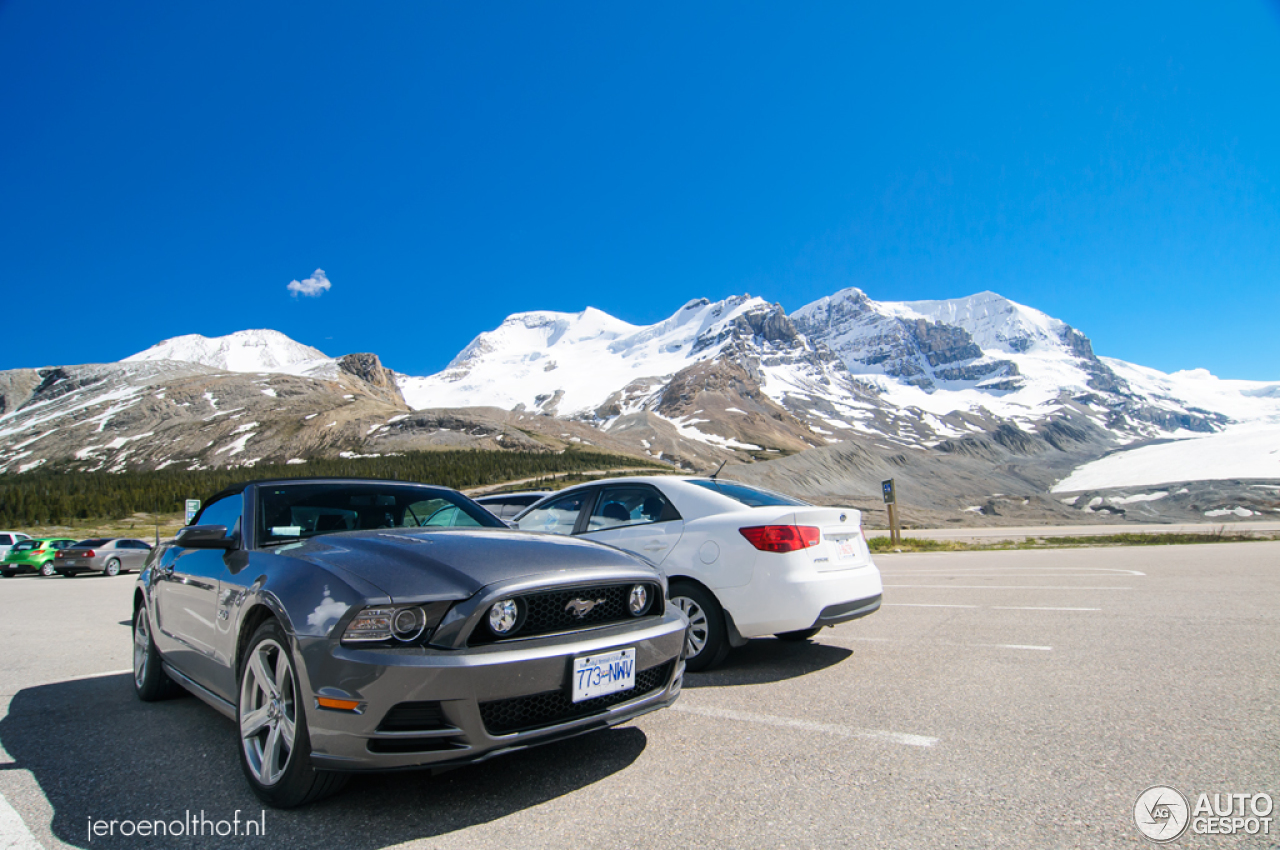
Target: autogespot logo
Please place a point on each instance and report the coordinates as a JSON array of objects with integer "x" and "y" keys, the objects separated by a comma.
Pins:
[{"x": 1161, "y": 813}]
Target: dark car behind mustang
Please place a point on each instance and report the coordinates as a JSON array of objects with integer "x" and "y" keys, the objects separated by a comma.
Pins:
[{"x": 353, "y": 625}]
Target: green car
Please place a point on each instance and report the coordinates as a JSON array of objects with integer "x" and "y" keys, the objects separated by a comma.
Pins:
[{"x": 33, "y": 556}]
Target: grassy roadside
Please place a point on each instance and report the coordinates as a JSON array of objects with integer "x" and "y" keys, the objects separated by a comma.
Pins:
[
  {"x": 882, "y": 545},
  {"x": 143, "y": 526}
]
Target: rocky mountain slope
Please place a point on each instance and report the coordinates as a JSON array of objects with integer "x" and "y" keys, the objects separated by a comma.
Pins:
[{"x": 965, "y": 400}]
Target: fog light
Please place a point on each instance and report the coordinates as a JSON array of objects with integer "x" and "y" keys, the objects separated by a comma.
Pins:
[
  {"x": 408, "y": 624},
  {"x": 504, "y": 616},
  {"x": 639, "y": 601}
]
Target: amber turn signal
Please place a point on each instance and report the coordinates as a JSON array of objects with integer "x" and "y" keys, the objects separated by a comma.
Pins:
[{"x": 338, "y": 704}]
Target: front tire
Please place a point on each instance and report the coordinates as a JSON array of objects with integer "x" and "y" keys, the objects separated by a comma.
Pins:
[
  {"x": 46, "y": 569},
  {"x": 707, "y": 641},
  {"x": 275, "y": 749},
  {"x": 150, "y": 682},
  {"x": 112, "y": 567}
]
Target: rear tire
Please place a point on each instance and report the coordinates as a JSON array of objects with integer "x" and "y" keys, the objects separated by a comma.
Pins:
[
  {"x": 706, "y": 642},
  {"x": 275, "y": 748},
  {"x": 8, "y": 573},
  {"x": 112, "y": 567},
  {"x": 46, "y": 569},
  {"x": 150, "y": 682},
  {"x": 798, "y": 635}
]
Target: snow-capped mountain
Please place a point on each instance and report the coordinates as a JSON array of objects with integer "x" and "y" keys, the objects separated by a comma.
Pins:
[
  {"x": 572, "y": 364},
  {"x": 264, "y": 351},
  {"x": 944, "y": 395}
]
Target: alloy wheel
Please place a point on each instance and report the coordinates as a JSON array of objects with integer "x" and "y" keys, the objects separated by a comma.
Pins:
[
  {"x": 268, "y": 711},
  {"x": 696, "y": 636},
  {"x": 141, "y": 647}
]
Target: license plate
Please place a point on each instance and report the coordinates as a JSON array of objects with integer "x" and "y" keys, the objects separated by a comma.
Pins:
[
  {"x": 847, "y": 546},
  {"x": 599, "y": 675},
  {"x": 72, "y": 562}
]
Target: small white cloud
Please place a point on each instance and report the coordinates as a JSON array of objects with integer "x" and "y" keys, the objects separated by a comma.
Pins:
[{"x": 316, "y": 285}]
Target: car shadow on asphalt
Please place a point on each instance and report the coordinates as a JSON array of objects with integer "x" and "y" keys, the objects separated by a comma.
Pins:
[
  {"x": 97, "y": 752},
  {"x": 767, "y": 660}
]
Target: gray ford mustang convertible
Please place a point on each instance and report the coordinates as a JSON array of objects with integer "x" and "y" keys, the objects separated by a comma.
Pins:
[{"x": 350, "y": 625}]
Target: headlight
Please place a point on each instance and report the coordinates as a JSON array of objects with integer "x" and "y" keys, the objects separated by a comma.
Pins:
[
  {"x": 370, "y": 624},
  {"x": 404, "y": 623},
  {"x": 408, "y": 623},
  {"x": 504, "y": 616},
  {"x": 638, "y": 602}
]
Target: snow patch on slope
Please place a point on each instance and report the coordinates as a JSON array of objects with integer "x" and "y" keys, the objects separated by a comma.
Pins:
[{"x": 1243, "y": 451}]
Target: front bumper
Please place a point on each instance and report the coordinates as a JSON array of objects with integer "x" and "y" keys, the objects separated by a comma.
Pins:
[{"x": 424, "y": 707}]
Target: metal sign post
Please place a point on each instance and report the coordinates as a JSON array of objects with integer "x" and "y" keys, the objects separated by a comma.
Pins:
[{"x": 891, "y": 503}]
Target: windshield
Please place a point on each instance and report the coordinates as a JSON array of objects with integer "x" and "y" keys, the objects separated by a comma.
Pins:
[
  {"x": 25, "y": 545},
  {"x": 89, "y": 544},
  {"x": 291, "y": 511},
  {"x": 752, "y": 497}
]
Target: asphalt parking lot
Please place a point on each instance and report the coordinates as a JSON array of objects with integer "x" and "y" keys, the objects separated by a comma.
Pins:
[{"x": 999, "y": 699}]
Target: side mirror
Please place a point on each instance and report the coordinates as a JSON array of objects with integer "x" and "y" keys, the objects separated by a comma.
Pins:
[{"x": 205, "y": 537}]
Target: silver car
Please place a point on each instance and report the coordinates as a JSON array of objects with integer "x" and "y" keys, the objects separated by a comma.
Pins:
[
  {"x": 355, "y": 625},
  {"x": 102, "y": 555}
]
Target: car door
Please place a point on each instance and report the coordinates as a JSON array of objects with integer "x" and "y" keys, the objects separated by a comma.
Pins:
[
  {"x": 133, "y": 553},
  {"x": 185, "y": 597},
  {"x": 637, "y": 518}
]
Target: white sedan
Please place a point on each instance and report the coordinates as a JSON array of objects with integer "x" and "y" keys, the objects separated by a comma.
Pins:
[{"x": 742, "y": 562}]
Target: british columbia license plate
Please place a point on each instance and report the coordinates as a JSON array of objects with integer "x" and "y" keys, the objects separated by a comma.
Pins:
[
  {"x": 848, "y": 547},
  {"x": 608, "y": 673}
]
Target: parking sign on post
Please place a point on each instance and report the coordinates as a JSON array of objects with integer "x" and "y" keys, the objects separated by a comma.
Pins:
[
  {"x": 891, "y": 504},
  {"x": 193, "y": 508}
]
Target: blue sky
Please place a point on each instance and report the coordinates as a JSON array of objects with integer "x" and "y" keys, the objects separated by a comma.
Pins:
[{"x": 169, "y": 168}]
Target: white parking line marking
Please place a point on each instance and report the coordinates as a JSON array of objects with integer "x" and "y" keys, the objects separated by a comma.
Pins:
[
  {"x": 942, "y": 643},
  {"x": 1019, "y": 572},
  {"x": 808, "y": 725},
  {"x": 1008, "y": 587},
  {"x": 14, "y": 834},
  {"x": 1036, "y": 608},
  {"x": 992, "y": 607}
]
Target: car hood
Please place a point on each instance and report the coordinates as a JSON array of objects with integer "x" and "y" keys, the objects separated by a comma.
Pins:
[{"x": 452, "y": 564}]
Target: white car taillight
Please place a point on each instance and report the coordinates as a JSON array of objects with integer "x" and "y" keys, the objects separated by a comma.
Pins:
[{"x": 782, "y": 538}]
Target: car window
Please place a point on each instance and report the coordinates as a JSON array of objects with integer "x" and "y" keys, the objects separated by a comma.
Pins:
[
  {"x": 752, "y": 497},
  {"x": 25, "y": 545},
  {"x": 292, "y": 511},
  {"x": 92, "y": 542},
  {"x": 225, "y": 511},
  {"x": 449, "y": 516},
  {"x": 5, "y": 539},
  {"x": 629, "y": 506},
  {"x": 557, "y": 516}
]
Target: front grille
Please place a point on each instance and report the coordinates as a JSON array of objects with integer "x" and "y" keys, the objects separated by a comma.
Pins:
[
  {"x": 520, "y": 714},
  {"x": 553, "y": 611},
  {"x": 413, "y": 717}
]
